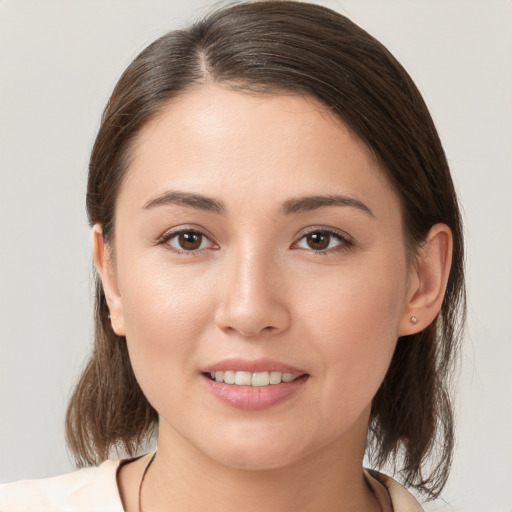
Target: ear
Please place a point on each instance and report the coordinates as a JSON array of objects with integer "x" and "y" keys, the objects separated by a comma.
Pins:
[
  {"x": 428, "y": 279},
  {"x": 106, "y": 270}
]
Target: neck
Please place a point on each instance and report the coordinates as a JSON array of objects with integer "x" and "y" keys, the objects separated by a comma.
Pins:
[{"x": 181, "y": 478}]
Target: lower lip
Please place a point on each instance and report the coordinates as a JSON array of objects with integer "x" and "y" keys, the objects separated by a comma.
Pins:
[{"x": 254, "y": 398}]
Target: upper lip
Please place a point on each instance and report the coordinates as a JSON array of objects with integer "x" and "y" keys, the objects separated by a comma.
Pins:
[{"x": 252, "y": 365}]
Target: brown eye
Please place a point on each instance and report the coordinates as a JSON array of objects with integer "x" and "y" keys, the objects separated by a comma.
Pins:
[
  {"x": 188, "y": 241},
  {"x": 318, "y": 241},
  {"x": 323, "y": 241}
]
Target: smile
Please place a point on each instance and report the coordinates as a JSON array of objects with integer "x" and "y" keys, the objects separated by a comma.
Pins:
[{"x": 255, "y": 379}]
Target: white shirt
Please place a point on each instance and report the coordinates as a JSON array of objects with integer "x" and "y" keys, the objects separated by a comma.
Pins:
[{"x": 95, "y": 490}]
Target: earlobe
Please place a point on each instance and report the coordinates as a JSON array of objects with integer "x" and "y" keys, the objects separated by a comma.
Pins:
[
  {"x": 428, "y": 281},
  {"x": 106, "y": 270}
]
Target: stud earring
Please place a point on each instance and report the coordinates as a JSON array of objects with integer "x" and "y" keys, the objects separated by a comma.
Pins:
[{"x": 414, "y": 320}]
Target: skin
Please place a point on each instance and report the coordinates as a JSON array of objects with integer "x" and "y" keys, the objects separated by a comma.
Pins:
[{"x": 256, "y": 288}]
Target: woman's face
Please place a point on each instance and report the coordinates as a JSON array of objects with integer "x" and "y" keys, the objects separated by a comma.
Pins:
[{"x": 256, "y": 237}]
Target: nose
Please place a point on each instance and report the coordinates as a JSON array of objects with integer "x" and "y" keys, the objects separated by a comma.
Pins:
[{"x": 253, "y": 299}]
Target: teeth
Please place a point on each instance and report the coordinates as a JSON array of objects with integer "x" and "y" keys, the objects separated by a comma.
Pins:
[
  {"x": 229, "y": 377},
  {"x": 257, "y": 379},
  {"x": 275, "y": 377},
  {"x": 243, "y": 378},
  {"x": 260, "y": 379}
]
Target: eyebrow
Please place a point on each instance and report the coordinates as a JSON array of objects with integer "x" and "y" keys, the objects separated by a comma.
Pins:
[
  {"x": 308, "y": 203},
  {"x": 186, "y": 199},
  {"x": 290, "y": 206}
]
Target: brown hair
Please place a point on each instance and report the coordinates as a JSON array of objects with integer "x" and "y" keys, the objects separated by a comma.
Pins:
[{"x": 271, "y": 46}]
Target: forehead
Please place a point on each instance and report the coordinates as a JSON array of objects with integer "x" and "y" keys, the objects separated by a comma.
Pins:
[{"x": 216, "y": 141}]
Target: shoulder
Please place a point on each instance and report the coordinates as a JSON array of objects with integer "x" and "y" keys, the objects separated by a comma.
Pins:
[
  {"x": 401, "y": 499},
  {"x": 89, "y": 489}
]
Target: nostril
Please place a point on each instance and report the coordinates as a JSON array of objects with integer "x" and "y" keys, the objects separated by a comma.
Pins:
[{"x": 251, "y": 333}]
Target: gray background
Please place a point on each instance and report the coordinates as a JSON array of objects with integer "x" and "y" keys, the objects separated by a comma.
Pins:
[{"x": 58, "y": 63}]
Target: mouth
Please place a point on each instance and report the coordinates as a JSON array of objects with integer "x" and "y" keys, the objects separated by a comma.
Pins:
[
  {"x": 253, "y": 379},
  {"x": 254, "y": 384}
]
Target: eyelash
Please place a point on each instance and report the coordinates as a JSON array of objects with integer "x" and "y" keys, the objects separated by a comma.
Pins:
[
  {"x": 168, "y": 236},
  {"x": 344, "y": 242}
]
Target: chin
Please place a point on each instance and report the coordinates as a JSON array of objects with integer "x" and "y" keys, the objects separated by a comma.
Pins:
[
  {"x": 256, "y": 460},
  {"x": 258, "y": 452}
]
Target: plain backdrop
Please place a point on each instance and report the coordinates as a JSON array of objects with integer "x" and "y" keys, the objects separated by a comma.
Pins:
[{"x": 59, "y": 60}]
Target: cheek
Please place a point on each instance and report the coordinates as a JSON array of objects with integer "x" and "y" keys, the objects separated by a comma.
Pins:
[
  {"x": 355, "y": 325},
  {"x": 164, "y": 317},
  {"x": 160, "y": 300}
]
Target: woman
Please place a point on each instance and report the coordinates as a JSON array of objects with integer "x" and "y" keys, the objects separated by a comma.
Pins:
[{"x": 279, "y": 256}]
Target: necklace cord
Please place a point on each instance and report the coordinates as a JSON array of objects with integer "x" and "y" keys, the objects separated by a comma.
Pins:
[{"x": 142, "y": 480}]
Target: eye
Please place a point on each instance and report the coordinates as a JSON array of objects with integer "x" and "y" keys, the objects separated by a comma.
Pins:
[
  {"x": 322, "y": 240},
  {"x": 188, "y": 241}
]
